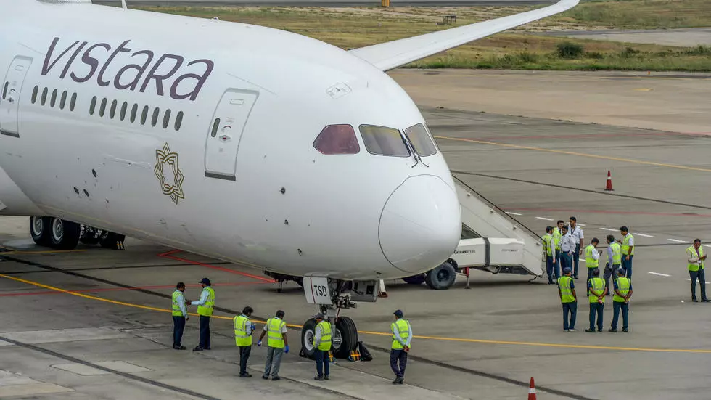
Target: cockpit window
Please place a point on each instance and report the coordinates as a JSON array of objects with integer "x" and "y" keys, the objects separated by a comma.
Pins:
[
  {"x": 421, "y": 140},
  {"x": 384, "y": 141},
  {"x": 337, "y": 139}
]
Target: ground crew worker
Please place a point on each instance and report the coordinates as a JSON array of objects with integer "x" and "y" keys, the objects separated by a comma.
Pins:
[
  {"x": 696, "y": 258},
  {"x": 623, "y": 292},
  {"x": 277, "y": 344},
  {"x": 402, "y": 336},
  {"x": 566, "y": 292},
  {"x": 627, "y": 250},
  {"x": 322, "y": 347},
  {"x": 614, "y": 259},
  {"x": 596, "y": 295},
  {"x": 180, "y": 315},
  {"x": 205, "y": 305},
  {"x": 549, "y": 251},
  {"x": 577, "y": 233},
  {"x": 592, "y": 256},
  {"x": 558, "y": 237},
  {"x": 243, "y": 338},
  {"x": 567, "y": 247}
]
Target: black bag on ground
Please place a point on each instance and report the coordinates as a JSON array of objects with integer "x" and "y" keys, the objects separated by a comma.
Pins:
[{"x": 364, "y": 353}]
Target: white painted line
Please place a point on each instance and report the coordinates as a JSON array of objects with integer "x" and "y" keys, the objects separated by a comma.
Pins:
[
  {"x": 582, "y": 225},
  {"x": 608, "y": 229},
  {"x": 546, "y": 219},
  {"x": 676, "y": 240},
  {"x": 708, "y": 245},
  {"x": 644, "y": 235},
  {"x": 657, "y": 273},
  {"x": 513, "y": 213}
]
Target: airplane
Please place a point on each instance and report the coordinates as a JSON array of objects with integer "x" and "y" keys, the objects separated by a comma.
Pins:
[{"x": 239, "y": 142}]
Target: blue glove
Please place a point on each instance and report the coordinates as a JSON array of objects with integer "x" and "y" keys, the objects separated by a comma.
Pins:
[
  {"x": 254, "y": 327},
  {"x": 286, "y": 349},
  {"x": 259, "y": 343}
]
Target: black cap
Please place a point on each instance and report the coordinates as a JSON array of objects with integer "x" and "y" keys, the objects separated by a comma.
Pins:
[
  {"x": 205, "y": 281},
  {"x": 179, "y": 285},
  {"x": 398, "y": 313},
  {"x": 596, "y": 272},
  {"x": 620, "y": 271},
  {"x": 318, "y": 316}
]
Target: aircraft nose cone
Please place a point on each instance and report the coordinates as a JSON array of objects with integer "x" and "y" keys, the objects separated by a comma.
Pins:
[{"x": 420, "y": 225}]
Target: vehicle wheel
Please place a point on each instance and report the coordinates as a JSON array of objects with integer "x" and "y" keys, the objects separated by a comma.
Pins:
[
  {"x": 415, "y": 280},
  {"x": 345, "y": 338},
  {"x": 441, "y": 277},
  {"x": 308, "y": 332},
  {"x": 64, "y": 235},
  {"x": 40, "y": 229},
  {"x": 110, "y": 240},
  {"x": 91, "y": 235}
]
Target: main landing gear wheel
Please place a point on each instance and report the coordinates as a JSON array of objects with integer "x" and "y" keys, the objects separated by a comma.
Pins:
[
  {"x": 441, "y": 277},
  {"x": 64, "y": 235},
  {"x": 40, "y": 230},
  {"x": 91, "y": 235},
  {"x": 344, "y": 338}
]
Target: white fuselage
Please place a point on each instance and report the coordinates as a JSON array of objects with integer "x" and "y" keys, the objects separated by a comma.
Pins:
[{"x": 239, "y": 179}]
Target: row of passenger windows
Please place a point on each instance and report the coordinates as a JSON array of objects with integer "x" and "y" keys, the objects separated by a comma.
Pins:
[
  {"x": 145, "y": 114},
  {"x": 53, "y": 98},
  {"x": 378, "y": 140}
]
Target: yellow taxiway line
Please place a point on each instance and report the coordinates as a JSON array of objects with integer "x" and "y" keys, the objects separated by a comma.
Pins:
[
  {"x": 575, "y": 153},
  {"x": 508, "y": 342}
]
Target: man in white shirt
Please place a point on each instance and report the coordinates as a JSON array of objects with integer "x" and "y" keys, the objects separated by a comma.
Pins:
[
  {"x": 577, "y": 233},
  {"x": 567, "y": 248}
]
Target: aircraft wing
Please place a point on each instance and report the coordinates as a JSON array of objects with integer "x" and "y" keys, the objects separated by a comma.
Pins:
[{"x": 393, "y": 54}]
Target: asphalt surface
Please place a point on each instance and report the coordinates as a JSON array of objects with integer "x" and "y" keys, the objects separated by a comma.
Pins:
[
  {"x": 669, "y": 37},
  {"x": 111, "y": 338}
]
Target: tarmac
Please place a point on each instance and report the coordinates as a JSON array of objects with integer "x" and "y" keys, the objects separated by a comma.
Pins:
[{"x": 95, "y": 323}]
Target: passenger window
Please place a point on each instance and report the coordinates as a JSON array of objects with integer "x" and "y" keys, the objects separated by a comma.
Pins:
[
  {"x": 421, "y": 140},
  {"x": 63, "y": 101},
  {"x": 134, "y": 111},
  {"x": 54, "y": 98},
  {"x": 44, "y": 96},
  {"x": 384, "y": 141},
  {"x": 92, "y": 106},
  {"x": 337, "y": 139},
  {"x": 178, "y": 120},
  {"x": 144, "y": 115},
  {"x": 154, "y": 120},
  {"x": 35, "y": 91},
  {"x": 166, "y": 119},
  {"x": 102, "y": 109},
  {"x": 114, "y": 104},
  {"x": 73, "y": 102},
  {"x": 124, "y": 108}
]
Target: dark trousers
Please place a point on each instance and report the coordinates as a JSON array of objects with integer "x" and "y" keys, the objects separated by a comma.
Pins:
[
  {"x": 321, "y": 362},
  {"x": 627, "y": 265},
  {"x": 204, "y": 332},
  {"x": 552, "y": 268},
  {"x": 610, "y": 273},
  {"x": 572, "y": 310},
  {"x": 694, "y": 275},
  {"x": 576, "y": 259},
  {"x": 566, "y": 261},
  {"x": 625, "y": 307},
  {"x": 596, "y": 309},
  {"x": 178, "y": 329},
  {"x": 244, "y": 352},
  {"x": 590, "y": 272},
  {"x": 398, "y": 357}
]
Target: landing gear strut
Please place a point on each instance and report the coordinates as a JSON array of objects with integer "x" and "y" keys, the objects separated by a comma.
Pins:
[
  {"x": 342, "y": 295},
  {"x": 61, "y": 234}
]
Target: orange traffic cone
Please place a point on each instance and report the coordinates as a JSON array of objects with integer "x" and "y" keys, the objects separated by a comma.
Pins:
[
  {"x": 532, "y": 391},
  {"x": 609, "y": 182}
]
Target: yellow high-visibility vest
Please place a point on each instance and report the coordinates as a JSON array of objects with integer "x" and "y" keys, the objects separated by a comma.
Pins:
[
  {"x": 241, "y": 337},
  {"x": 403, "y": 329},
  {"x": 206, "y": 310}
]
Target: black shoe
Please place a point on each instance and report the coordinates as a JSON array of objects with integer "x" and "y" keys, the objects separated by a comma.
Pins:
[
  {"x": 245, "y": 375},
  {"x": 207, "y": 348},
  {"x": 624, "y": 330},
  {"x": 198, "y": 348},
  {"x": 704, "y": 300},
  {"x": 694, "y": 300},
  {"x": 318, "y": 378},
  {"x": 599, "y": 329},
  {"x": 590, "y": 330},
  {"x": 276, "y": 378},
  {"x": 612, "y": 330},
  {"x": 400, "y": 380},
  {"x": 397, "y": 379},
  {"x": 266, "y": 378},
  {"x": 179, "y": 347},
  {"x": 326, "y": 378}
]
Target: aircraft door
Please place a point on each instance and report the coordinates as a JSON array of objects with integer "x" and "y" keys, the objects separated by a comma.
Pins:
[
  {"x": 225, "y": 133},
  {"x": 10, "y": 95}
]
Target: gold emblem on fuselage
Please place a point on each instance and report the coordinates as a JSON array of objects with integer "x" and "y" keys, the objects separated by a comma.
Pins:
[{"x": 169, "y": 158}]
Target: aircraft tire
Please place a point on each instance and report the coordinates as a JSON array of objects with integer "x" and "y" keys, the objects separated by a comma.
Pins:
[
  {"x": 415, "y": 279},
  {"x": 441, "y": 277},
  {"x": 40, "y": 229},
  {"x": 348, "y": 337},
  {"x": 64, "y": 235},
  {"x": 308, "y": 332}
]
